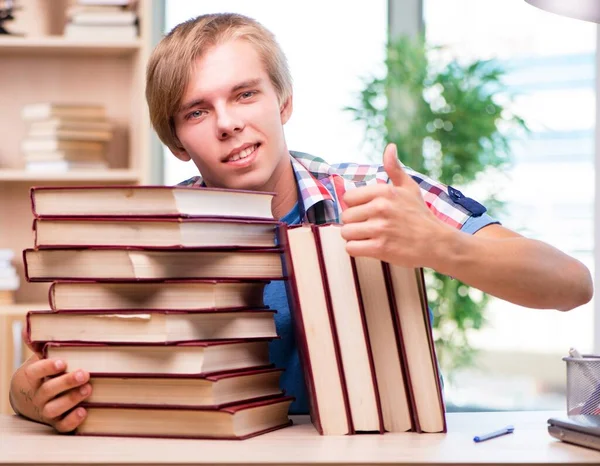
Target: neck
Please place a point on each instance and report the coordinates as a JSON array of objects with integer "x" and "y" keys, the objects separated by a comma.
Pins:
[{"x": 284, "y": 185}]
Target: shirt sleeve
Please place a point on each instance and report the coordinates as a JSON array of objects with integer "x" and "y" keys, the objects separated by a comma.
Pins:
[{"x": 474, "y": 224}]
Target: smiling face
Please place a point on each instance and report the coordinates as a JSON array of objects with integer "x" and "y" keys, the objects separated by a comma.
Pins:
[{"x": 230, "y": 121}]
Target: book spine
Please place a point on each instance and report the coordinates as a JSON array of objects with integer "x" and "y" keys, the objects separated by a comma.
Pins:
[
  {"x": 416, "y": 427},
  {"x": 334, "y": 332}
]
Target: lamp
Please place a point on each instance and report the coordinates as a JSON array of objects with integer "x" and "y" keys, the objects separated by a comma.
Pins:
[{"x": 586, "y": 10}]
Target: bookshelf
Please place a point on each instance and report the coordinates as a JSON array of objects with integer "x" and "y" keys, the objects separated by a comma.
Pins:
[{"x": 47, "y": 67}]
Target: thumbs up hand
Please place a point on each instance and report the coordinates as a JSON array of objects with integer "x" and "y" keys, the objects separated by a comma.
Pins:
[{"x": 391, "y": 222}]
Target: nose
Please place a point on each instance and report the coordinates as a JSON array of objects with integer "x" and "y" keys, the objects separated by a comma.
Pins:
[{"x": 228, "y": 122}]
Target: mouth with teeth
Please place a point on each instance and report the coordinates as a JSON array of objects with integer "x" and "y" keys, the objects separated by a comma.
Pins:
[{"x": 243, "y": 157}]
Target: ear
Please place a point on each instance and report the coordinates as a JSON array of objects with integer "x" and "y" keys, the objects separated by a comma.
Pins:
[
  {"x": 286, "y": 110},
  {"x": 181, "y": 154}
]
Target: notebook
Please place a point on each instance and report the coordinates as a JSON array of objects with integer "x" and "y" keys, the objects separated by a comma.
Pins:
[{"x": 583, "y": 430}]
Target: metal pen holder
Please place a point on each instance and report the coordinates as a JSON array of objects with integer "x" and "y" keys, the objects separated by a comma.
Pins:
[{"x": 583, "y": 385}]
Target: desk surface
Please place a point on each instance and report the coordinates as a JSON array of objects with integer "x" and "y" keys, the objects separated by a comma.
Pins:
[{"x": 26, "y": 442}]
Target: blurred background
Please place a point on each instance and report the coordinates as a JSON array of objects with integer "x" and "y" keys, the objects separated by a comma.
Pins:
[{"x": 495, "y": 97}]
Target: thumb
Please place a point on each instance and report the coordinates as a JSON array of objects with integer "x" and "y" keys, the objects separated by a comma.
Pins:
[{"x": 392, "y": 166}]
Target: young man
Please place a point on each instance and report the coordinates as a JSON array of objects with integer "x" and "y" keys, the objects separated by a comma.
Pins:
[{"x": 219, "y": 93}]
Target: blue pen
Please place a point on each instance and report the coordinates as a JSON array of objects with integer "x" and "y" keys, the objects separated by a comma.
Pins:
[{"x": 498, "y": 433}]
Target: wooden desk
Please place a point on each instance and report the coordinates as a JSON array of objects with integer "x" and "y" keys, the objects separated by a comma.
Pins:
[{"x": 22, "y": 441}]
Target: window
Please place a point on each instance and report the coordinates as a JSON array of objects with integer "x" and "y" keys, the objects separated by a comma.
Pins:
[
  {"x": 328, "y": 53},
  {"x": 550, "y": 63}
]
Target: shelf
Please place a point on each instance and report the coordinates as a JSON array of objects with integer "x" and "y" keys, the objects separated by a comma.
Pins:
[
  {"x": 114, "y": 175},
  {"x": 66, "y": 46},
  {"x": 21, "y": 308}
]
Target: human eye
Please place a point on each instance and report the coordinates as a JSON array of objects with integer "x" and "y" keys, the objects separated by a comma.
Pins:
[
  {"x": 195, "y": 114},
  {"x": 247, "y": 95}
]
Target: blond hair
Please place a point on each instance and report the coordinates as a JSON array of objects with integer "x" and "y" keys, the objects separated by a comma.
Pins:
[{"x": 171, "y": 63}]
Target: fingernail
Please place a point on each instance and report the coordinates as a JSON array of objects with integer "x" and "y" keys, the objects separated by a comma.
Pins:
[
  {"x": 79, "y": 376},
  {"x": 84, "y": 390},
  {"x": 60, "y": 365},
  {"x": 80, "y": 412}
]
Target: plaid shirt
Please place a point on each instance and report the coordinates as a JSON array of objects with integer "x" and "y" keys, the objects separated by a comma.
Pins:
[{"x": 321, "y": 188}]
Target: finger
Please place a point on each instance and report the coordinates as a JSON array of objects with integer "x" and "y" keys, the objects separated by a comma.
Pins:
[
  {"x": 396, "y": 172},
  {"x": 359, "y": 213},
  {"x": 361, "y": 230},
  {"x": 37, "y": 371},
  {"x": 71, "y": 421},
  {"x": 51, "y": 388},
  {"x": 365, "y": 194},
  {"x": 364, "y": 248},
  {"x": 57, "y": 407}
]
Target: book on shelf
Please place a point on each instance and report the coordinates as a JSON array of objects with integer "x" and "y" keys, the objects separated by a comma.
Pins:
[
  {"x": 69, "y": 134},
  {"x": 343, "y": 297},
  {"x": 159, "y": 201},
  {"x": 407, "y": 291},
  {"x": 57, "y": 124},
  {"x": 153, "y": 232},
  {"x": 98, "y": 31},
  {"x": 157, "y": 264},
  {"x": 45, "y": 110},
  {"x": 315, "y": 333},
  {"x": 168, "y": 295},
  {"x": 64, "y": 156},
  {"x": 234, "y": 422},
  {"x": 191, "y": 358},
  {"x": 59, "y": 144},
  {"x": 151, "y": 326},
  {"x": 214, "y": 391},
  {"x": 103, "y": 17},
  {"x": 61, "y": 166}
]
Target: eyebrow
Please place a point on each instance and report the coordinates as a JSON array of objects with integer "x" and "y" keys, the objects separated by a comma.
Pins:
[{"x": 237, "y": 87}]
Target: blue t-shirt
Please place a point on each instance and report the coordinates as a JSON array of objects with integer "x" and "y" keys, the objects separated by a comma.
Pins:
[{"x": 284, "y": 352}]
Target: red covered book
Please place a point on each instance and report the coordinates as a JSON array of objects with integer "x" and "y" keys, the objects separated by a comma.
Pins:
[
  {"x": 127, "y": 264},
  {"x": 211, "y": 391},
  {"x": 191, "y": 358},
  {"x": 149, "y": 326},
  {"x": 152, "y": 201},
  {"x": 195, "y": 232},
  {"x": 170, "y": 294},
  {"x": 238, "y": 421}
]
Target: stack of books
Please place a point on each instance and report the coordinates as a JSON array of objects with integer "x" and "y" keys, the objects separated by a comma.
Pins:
[
  {"x": 158, "y": 293},
  {"x": 63, "y": 137},
  {"x": 364, "y": 336},
  {"x": 102, "y": 20},
  {"x": 9, "y": 279}
]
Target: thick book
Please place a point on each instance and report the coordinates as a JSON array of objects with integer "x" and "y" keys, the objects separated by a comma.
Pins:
[
  {"x": 234, "y": 422},
  {"x": 193, "y": 358},
  {"x": 411, "y": 313},
  {"x": 150, "y": 326},
  {"x": 69, "y": 134},
  {"x": 143, "y": 264},
  {"x": 176, "y": 201},
  {"x": 69, "y": 124},
  {"x": 44, "y": 110},
  {"x": 211, "y": 391},
  {"x": 315, "y": 333},
  {"x": 385, "y": 346},
  {"x": 186, "y": 295},
  {"x": 153, "y": 232},
  {"x": 59, "y": 144},
  {"x": 343, "y": 297}
]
